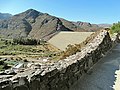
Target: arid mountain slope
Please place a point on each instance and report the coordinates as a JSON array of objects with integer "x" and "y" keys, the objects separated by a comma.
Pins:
[
  {"x": 5, "y": 15},
  {"x": 34, "y": 24},
  {"x": 87, "y": 26},
  {"x": 105, "y": 25}
]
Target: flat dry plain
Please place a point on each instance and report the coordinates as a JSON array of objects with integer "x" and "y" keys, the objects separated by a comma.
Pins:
[{"x": 62, "y": 39}]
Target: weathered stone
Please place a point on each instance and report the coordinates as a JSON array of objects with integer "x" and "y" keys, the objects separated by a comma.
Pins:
[{"x": 62, "y": 74}]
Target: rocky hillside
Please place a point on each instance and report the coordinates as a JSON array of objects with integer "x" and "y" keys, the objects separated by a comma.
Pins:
[
  {"x": 34, "y": 24},
  {"x": 87, "y": 26},
  {"x": 5, "y": 15},
  {"x": 105, "y": 25}
]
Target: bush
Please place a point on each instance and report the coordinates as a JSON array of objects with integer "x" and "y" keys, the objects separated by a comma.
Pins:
[
  {"x": 115, "y": 28},
  {"x": 1, "y": 62},
  {"x": 28, "y": 41},
  {"x": 3, "y": 65}
]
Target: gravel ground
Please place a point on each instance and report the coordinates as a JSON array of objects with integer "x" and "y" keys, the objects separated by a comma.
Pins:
[{"x": 105, "y": 75}]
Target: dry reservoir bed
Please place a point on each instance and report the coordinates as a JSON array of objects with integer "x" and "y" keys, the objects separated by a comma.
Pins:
[{"x": 63, "y": 39}]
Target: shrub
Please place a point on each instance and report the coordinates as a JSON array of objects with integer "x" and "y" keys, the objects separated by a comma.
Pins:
[
  {"x": 3, "y": 65},
  {"x": 115, "y": 28},
  {"x": 1, "y": 62},
  {"x": 27, "y": 41}
]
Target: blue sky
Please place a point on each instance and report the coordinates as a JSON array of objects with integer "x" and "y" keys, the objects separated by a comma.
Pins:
[{"x": 93, "y": 11}]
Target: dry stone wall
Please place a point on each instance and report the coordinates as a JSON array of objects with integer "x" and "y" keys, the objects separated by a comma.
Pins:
[{"x": 62, "y": 74}]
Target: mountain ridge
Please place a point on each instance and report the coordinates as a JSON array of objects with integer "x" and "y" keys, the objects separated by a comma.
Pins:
[
  {"x": 38, "y": 25},
  {"x": 5, "y": 15}
]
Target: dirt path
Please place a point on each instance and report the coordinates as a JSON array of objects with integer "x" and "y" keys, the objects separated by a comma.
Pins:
[{"x": 105, "y": 75}]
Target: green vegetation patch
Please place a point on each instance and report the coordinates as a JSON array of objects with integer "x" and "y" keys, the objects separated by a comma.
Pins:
[
  {"x": 115, "y": 28},
  {"x": 9, "y": 48}
]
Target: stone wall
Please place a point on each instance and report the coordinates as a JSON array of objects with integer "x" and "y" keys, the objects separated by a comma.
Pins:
[{"x": 62, "y": 74}]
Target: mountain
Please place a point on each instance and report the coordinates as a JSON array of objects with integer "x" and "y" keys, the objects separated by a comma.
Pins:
[
  {"x": 87, "y": 26},
  {"x": 5, "y": 15},
  {"x": 105, "y": 25},
  {"x": 34, "y": 24}
]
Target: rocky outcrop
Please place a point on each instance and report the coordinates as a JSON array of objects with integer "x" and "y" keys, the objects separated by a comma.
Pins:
[{"x": 62, "y": 74}]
